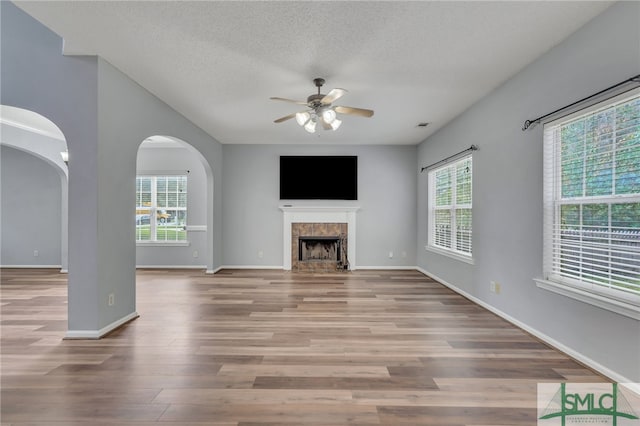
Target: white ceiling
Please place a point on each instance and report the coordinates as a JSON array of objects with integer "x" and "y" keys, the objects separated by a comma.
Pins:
[{"x": 218, "y": 62}]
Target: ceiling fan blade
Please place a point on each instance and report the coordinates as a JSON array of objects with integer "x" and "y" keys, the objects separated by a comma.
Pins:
[
  {"x": 325, "y": 125},
  {"x": 332, "y": 96},
  {"x": 288, "y": 100},
  {"x": 354, "y": 111},
  {"x": 285, "y": 118}
]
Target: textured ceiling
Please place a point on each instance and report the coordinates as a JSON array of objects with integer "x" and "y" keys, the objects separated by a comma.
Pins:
[{"x": 218, "y": 62}]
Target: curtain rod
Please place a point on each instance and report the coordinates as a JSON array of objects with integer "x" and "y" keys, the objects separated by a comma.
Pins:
[
  {"x": 528, "y": 123},
  {"x": 471, "y": 148}
]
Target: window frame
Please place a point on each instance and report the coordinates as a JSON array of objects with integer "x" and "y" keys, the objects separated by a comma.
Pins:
[
  {"x": 154, "y": 208},
  {"x": 610, "y": 298},
  {"x": 452, "y": 252}
]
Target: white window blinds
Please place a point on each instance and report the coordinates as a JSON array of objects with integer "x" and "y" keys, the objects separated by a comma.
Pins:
[
  {"x": 592, "y": 199},
  {"x": 450, "y": 207},
  {"x": 161, "y": 208}
]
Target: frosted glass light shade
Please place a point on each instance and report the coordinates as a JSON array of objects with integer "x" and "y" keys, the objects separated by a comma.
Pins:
[
  {"x": 310, "y": 126},
  {"x": 302, "y": 117},
  {"x": 335, "y": 124},
  {"x": 328, "y": 115}
]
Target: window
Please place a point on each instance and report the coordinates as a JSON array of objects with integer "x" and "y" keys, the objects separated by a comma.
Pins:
[
  {"x": 592, "y": 200},
  {"x": 161, "y": 208},
  {"x": 450, "y": 209}
]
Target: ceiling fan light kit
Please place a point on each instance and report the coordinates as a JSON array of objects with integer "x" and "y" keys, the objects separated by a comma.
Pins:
[{"x": 320, "y": 109}]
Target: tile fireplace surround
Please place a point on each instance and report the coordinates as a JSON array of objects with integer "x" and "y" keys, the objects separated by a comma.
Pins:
[
  {"x": 317, "y": 230},
  {"x": 318, "y": 215}
]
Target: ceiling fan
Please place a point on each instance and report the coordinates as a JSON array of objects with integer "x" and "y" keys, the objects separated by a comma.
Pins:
[{"x": 320, "y": 109}]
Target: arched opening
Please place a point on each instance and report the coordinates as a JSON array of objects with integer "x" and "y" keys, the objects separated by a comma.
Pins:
[
  {"x": 34, "y": 191},
  {"x": 174, "y": 205}
]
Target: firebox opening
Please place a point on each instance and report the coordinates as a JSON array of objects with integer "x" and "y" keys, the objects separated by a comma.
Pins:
[{"x": 319, "y": 249}]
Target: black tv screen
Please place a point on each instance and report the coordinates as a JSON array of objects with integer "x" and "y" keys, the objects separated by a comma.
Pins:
[{"x": 318, "y": 178}]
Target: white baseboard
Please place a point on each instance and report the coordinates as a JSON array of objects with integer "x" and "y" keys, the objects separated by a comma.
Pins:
[
  {"x": 97, "y": 334},
  {"x": 171, "y": 266},
  {"x": 31, "y": 266},
  {"x": 550, "y": 341},
  {"x": 213, "y": 271}
]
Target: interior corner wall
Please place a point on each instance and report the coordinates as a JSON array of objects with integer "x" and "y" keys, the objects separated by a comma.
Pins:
[
  {"x": 507, "y": 190},
  {"x": 31, "y": 211},
  {"x": 128, "y": 114},
  {"x": 385, "y": 222}
]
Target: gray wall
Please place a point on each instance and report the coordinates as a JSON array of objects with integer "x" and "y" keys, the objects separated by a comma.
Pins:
[
  {"x": 30, "y": 216},
  {"x": 385, "y": 222},
  {"x": 48, "y": 149},
  {"x": 178, "y": 160},
  {"x": 507, "y": 185}
]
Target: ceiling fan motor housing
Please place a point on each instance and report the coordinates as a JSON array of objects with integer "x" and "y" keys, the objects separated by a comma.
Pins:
[{"x": 314, "y": 101}]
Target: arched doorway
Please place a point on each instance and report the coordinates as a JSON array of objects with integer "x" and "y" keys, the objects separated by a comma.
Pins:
[
  {"x": 174, "y": 205},
  {"x": 35, "y": 190}
]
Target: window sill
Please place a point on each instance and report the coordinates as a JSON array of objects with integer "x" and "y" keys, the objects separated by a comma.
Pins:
[
  {"x": 451, "y": 254},
  {"x": 627, "y": 309},
  {"x": 163, "y": 243}
]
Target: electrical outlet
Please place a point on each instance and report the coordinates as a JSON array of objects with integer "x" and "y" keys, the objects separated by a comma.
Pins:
[
  {"x": 497, "y": 288},
  {"x": 390, "y": 255},
  {"x": 35, "y": 253},
  {"x": 112, "y": 299},
  {"x": 494, "y": 287},
  {"x": 195, "y": 253},
  {"x": 260, "y": 254}
]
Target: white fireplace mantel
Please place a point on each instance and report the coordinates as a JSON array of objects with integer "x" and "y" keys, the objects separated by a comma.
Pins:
[{"x": 320, "y": 214}]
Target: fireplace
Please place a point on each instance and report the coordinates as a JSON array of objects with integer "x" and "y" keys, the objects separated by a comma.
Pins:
[
  {"x": 319, "y": 247},
  {"x": 319, "y": 221}
]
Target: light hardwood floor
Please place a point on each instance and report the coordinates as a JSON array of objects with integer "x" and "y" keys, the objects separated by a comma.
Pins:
[{"x": 272, "y": 348}]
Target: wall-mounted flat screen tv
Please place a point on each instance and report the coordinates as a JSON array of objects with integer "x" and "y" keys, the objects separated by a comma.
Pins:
[{"x": 319, "y": 177}]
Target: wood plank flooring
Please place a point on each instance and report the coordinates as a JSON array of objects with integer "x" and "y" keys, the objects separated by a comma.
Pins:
[{"x": 272, "y": 348}]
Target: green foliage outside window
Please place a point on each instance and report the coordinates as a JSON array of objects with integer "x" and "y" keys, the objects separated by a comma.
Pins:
[
  {"x": 599, "y": 197},
  {"x": 161, "y": 208}
]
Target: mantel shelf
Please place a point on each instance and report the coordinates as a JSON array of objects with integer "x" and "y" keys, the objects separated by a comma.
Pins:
[{"x": 287, "y": 208}]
